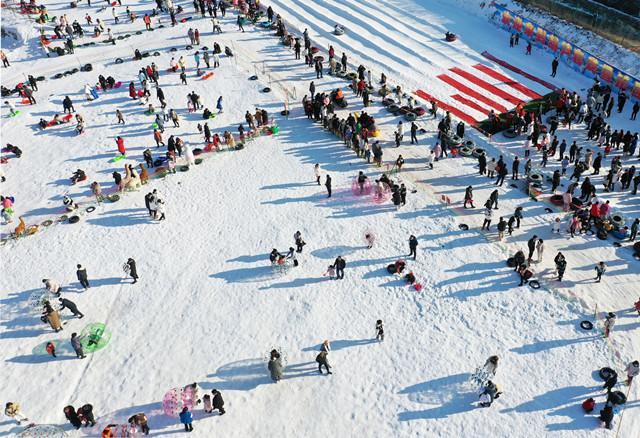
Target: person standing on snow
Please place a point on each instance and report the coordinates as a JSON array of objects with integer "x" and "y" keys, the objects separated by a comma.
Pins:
[
  {"x": 339, "y": 264},
  {"x": 77, "y": 346},
  {"x": 413, "y": 246},
  {"x": 600, "y": 269},
  {"x": 81, "y": 273},
  {"x": 133, "y": 272},
  {"x": 489, "y": 393},
  {"x": 633, "y": 369},
  {"x": 327, "y": 184},
  {"x": 554, "y": 67},
  {"x": 468, "y": 197},
  {"x": 72, "y": 416},
  {"x": 275, "y": 366},
  {"x": 531, "y": 244},
  {"x": 488, "y": 212},
  {"x": 540, "y": 249},
  {"x": 609, "y": 322},
  {"x": 299, "y": 242},
  {"x": 491, "y": 365},
  {"x": 316, "y": 172},
  {"x": 322, "y": 359},
  {"x": 379, "y": 330},
  {"x": 186, "y": 418},
  {"x": 218, "y": 401}
]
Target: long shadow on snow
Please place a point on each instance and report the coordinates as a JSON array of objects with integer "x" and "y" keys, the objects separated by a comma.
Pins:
[
  {"x": 248, "y": 374},
  {"x": 550, "y": 344},
  {"x": 448, "y": 392},
  {"x": 246, "y": 275},
  {"x": 340, "y": 344}
]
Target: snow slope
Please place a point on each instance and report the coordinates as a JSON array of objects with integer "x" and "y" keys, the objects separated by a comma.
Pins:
[{"x": 208, "y": 308}]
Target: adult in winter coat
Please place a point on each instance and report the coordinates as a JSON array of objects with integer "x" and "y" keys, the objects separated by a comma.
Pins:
[
  {"x": 519, "y": 260},
  {"x": 186, "y": 418},
  {"x": 68, "y": 304},
  {"x": 133, "y": 272},
  {"x": 606, "y": 416},
  {"x": 86, "y": 415},
  {"x": 323, "y": 359},
  {"x": 339, "y": 264},
  {"x": 140, "y": 420},
  {"x": 493, "y": 198},
  {"x": 561, "y": 265},
  {"x": 52, "y": 286},
  {"x": 489, "y": 393},
  {"x": 600, "y": 270},
  {"x": 77, "y": 345},
  {"x": 531, "y": 244},
  {"x": 217, "y": 401},
  {"x": 609, "y": 322},
  {"x": 275, "y": 366},
  {"x": 72, "y": 416},
  {"x": 633, "y": 369},
  {"x": 81, "y": 273},
  {"x": 327, "y": 184},
  {"x": 12, "y": 410},
  {"x": 52, "y": 316},
  {"x": 468, "y": 197},
  {"x": 487, "y": 218},
  {"x": 413, "y": 246},
  {"x": 491, "y": 365}
]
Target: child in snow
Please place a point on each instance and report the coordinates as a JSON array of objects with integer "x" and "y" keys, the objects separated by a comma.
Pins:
[
  {"x": 51, "y": 349},
  {"x": 208, "y": 408},
  {"x": 331, "y": 272},
  {"x": 379, "y": 331},
  {"x": 555, "y": 226},
  {"x": 370, "y": 238}
]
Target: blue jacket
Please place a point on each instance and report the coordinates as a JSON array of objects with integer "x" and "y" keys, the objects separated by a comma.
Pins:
[{"x": 186, "y": 417}]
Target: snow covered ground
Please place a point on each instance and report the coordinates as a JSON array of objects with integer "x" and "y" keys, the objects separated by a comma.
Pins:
[{"x": 208, "y": 307}]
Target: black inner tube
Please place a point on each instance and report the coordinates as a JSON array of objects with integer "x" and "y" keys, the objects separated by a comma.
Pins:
[
  {"x": 586, "y": 325},
  {"x": 535, "y": 284}
]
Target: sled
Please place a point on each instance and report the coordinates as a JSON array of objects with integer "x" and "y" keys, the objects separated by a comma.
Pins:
[
  {"x": 117, "y": 158},
  {"x": 66, "y": 118},
  {"x": 25, "y": 101},
  {"x": 15, "y": 114},
  {"x": 94, "y": 337},
  {"x": 94, "y": 94},
  {"x": 206, "y": 76}
]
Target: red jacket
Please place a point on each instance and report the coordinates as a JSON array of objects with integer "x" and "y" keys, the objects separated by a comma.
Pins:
[
  {"x": 120, "y": 143},
  {"x": 589, "y": 405},
  {"x": 595, "y": 210},
  {"x": 51, "y": 349}
]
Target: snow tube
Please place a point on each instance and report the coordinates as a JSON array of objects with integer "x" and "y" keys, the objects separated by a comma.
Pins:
[
  {"x": 548, "y": 210},
  {"x": 189, "y": 47},
  {"x": 351, "y": 76},
  {"x": 240, "y": 146},
  {"x": 404, "y": 109},
  {"x": 338, "y": 30},
  {"x": 176, "y": 399},
  {"x": 86, "y": 67},
  {"x": 47, "y": 223},
  {"x": 94, "y": 337},
  {"x": 478, "y": 151},
  {"x": 41, "y": 78},
  {"x": 535, "y": 284},
  {"x": 90, "y": 209},
  {"x": 173, "y": 49},
  {"x": 556, "y": 200},
  {"x": 197, "y": 151},
  {"x": 617, "y": 398},
  {"x": 266, "y": 89},
  {"x": 450, "y": 38},
  {"x": 465, "y": 151},
  {"x": 355, "y": 187},
  {"x": 120, "y": 37},
  {"x": 113, "y": 198},
  {"x": 183, "y": 168},
  {"x": 511, "y": 262},
  {"x": 57, "y": 76},
  {"x": 253, "y": 78},
  {"x": 74, "y": 219},
  {"x": 145, "y": 55},
  {"x": 617, "y": 220},
  {"x": 410, "y": 117},
  {"x": 156, "y": 53},
  {"x": 388, "y": 101},
  {"x": 314, "y": 50},
  {"x": 393, "y": 109},
  {"x": 139, "y": 32},
  {"x": 119, "y": 61},
  {"x": 510, "y": 133},
  {"x": 198, "y": 161},
  {"x": 63, "y": 218},
  {"x": 463, "y": 227},
  {"x": 606, "y": 372},
  {"x": 33, "y": 229},
  {"x": 419, "y": 111},
  {"x": 67, "y": 73},
  {"x": 391, "y": 269},
  {"x": 620, "y": 233},
  {"x": 535, "y": 178},
  {"x": 158, "y": 162},
  {"x": 601, "y": 234},
  {"x": 205, "y": 48},
  {"x": 586, "y": 325},
  {"x": 284, "y": 112}
]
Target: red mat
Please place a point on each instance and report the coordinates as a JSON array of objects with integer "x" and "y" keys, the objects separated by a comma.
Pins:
[
  {"x": 515, "y": 69},
  {"x": 470, "y": 104},
  {"x": 453, "y": 110},
  {"x": 507, "y": 81},
  {"x": 486, "y": 85},
  {"x": 473, "y": 93}
]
